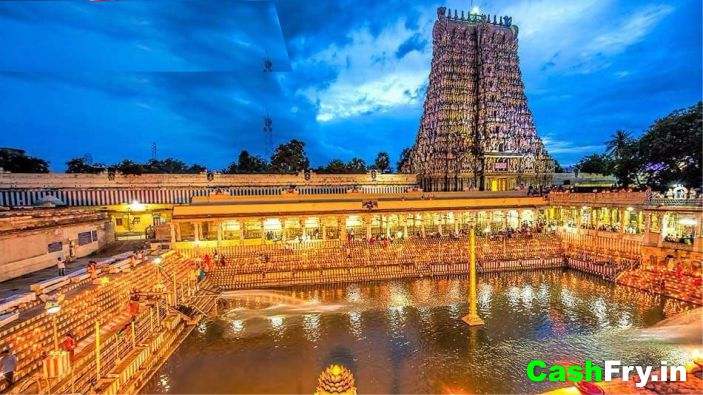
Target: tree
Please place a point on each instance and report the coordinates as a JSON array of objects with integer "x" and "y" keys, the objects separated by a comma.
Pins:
[
  {"x": 404, "y": 161},
  {"x": 557, "y": 166},
  {"x": 129, "y": 167},
  {"x": 83, "y": 165},
  {"x": 356, "y": 166},
  {"x": 17, "y": 161},
  {"x": 382, "y": 163},
  {"x": 624, "y": 157},
  {"x": 595, "y": 163},
  {"x": 335, "y": 166},
  {"x": 290, "y": 158},
  {"x": 671, "y": 149},
  {"x": 247, "y": 164}
]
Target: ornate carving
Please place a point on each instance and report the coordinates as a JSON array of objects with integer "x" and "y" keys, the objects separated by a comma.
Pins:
[{"x": 476, "y": 120}]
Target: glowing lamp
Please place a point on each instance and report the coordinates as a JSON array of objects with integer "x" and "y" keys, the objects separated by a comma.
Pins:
[
  {"x": 104, "y": 280},
  {"x": 52, "y": 307},
  {"x": 629, "y": 209},
  {"x": 688, "y": 221},
  {"x": 157, "y": 261},
  {"x": 136, "y": 206}
]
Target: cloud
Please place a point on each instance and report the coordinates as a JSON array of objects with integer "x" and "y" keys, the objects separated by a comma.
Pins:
[
  {"x": 569, "y": 147},
  {"x": 629, "y": 31},
  {"x": 371, "y": 76},
  {"x": 414, "y": 43}
]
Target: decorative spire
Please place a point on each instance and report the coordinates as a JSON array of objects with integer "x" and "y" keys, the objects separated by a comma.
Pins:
[{"x": 336, "y": 380}]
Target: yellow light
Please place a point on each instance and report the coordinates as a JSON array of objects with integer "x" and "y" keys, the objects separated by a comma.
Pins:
[
  {"x": 630, "y": 209},
  {"x": 312, "y": 222},
  {"x": 52, "y": 307},
  {"x": 353, "y": 220},
  {"x": 272, "y": 224},
  {"x": 688, "y": 221},
  {"x": 157, "y": 260},
  {"x": 104, "y": 280},
  {"x": 336, "y": 370},
  {"x": 136, "y": 206}
]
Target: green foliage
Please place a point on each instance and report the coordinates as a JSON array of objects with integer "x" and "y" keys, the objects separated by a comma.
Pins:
[
  {"x": 290, "y": 158},
  {"x": 356, "y": 166},
  {"x": 382, "y": 163},
  {"x": 557, "y": 167},
  {"x": 129, "y": 167},
  {"x": 155, "y": 166},
  {"x": 595, "y": 163},
  {"x": 624, "y": 155},
  {"x": 668, "y": 152},
  {"x": 335, "y": 166},
  {"x": 671, "y": 149},
  {"x": 83, "y": 165},
  {"x": 404, "y": 159},
  {"x": 17, "y": 161},
  {"x": 247, "y": 164}
]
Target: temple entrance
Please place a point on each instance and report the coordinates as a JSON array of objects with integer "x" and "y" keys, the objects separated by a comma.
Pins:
[{"x": 498, "y": 184}]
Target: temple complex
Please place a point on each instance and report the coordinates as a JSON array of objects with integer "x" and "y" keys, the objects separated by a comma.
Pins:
[
  {"x": 338, "y": 283},
  {"x": 477, "y": 131}
]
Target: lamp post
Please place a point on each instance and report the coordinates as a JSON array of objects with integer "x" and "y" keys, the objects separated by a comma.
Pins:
[
  {"x": 52, "y": 308},
  {"x": 472, "y": 319}
]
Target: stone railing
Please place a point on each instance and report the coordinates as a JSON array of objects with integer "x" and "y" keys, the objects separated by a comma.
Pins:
[
  {"x": 605, "y": 198},
  {"x": 670, "y": 202},
  {"x": 105, "y": 180}
]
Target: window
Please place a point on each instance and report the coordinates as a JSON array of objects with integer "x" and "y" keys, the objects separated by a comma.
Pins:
[{"x": 118, "y": 221}]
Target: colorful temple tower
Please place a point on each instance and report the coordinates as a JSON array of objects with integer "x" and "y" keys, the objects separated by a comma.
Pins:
[{"x": 476, "y": 130}]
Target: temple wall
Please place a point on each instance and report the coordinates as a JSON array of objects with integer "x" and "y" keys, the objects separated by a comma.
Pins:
[
  {"x": 24, "y": 252},
  {"x": 88, "y": 181},
  {"x": 17, "y": 190}
]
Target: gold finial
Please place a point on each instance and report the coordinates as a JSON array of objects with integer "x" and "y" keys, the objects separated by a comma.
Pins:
[{"x": 336, "y": 380}]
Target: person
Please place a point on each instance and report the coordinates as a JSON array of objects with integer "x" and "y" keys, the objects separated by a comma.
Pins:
[
  {"x": 8, "y": 364},
  {"x": 69, "y": 344},
  {"x": 93, "y": 270},
  {"x": 62, "y": 266}
]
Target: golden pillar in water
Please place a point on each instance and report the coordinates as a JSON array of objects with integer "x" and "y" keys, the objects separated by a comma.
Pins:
[
  {"x": 337, "y": 380},
  {"x": 472, "y": 318}
]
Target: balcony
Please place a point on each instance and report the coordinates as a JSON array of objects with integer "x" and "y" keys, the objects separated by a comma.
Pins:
[{"x": 602, "y": 198}]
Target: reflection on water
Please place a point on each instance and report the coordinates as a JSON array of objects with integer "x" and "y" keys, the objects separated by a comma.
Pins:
[{"x": 407, "y": 336}]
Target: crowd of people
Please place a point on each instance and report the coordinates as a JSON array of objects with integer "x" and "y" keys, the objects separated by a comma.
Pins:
[
  {"x": 674, "y": 276},
  {"x": 424, "y": 255}
]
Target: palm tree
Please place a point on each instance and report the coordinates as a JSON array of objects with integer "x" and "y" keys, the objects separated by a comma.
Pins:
[{"x": 619, "y": 145}]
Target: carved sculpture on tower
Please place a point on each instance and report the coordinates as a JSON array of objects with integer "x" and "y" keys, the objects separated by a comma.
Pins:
[{"x": 477, "y": 131}]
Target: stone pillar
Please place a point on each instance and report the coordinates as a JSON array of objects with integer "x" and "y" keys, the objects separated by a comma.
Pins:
[
  {"x": 283, "y": 230},
  {"x": 422, "y": 225},
  {"x": 342, "y": 224},
  {"x": 219, "y": 232},
  {"x": 367, "y": 222},
  {"x": 178, "y": 231},
  {"x": 196, "y": 231},
  {"x": 173, "y": 232},
  {"x": 624, "y": 214},
  {"x": 405, "y": 226},
  {"x": 302, "y": 226},
  {"x": 323, "y": 228},
  {"x": 241, "y": 230}
]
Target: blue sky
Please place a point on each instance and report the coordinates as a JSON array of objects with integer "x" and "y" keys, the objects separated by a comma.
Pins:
[{"x": 110, "y": 78}]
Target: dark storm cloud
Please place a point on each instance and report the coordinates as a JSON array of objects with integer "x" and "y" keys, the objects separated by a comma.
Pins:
[{"x": 414, "y": 43}]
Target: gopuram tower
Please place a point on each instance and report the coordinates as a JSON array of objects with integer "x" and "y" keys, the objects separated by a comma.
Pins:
[{"x": 476, "y": 130}]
